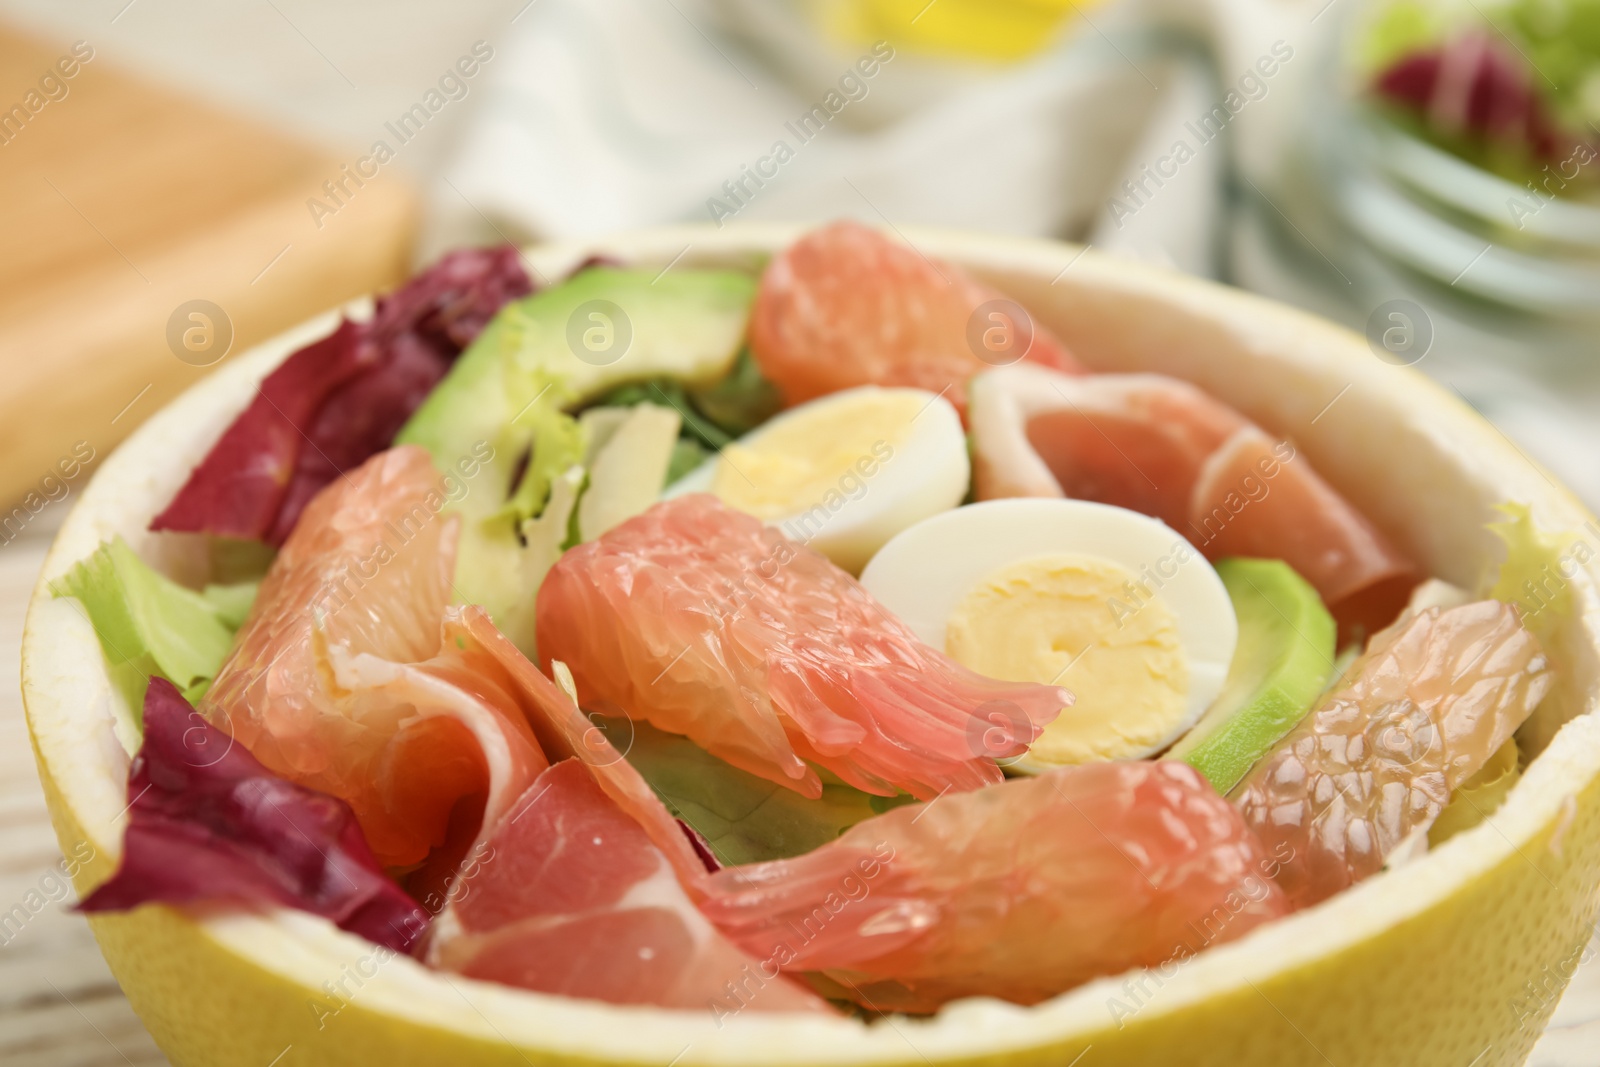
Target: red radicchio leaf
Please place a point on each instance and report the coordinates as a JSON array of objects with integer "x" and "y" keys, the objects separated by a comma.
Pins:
[
  {"x": 339, "y": 401},
  {"x": 702, "y": 850},
  {"x": 1472, "y": 86},
  {"x": 210, "y": 824}
]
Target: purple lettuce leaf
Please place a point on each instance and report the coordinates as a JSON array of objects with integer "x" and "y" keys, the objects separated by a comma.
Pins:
[
  {"x": 340, "y": 400},
  {"x": 208, "y": 824}
]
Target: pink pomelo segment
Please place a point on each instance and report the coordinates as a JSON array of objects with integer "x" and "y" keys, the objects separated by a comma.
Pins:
[
  {"x": 1019, "y": 891},
  {"x": 710, "y": 624},
  {"x": 1165, "y": 448},
  {"x": 1427, "y": 705},
  {"x": 845, "y": 306},
  {"x": 340, "y": 681},
  {"x": 569, "y": 895}
]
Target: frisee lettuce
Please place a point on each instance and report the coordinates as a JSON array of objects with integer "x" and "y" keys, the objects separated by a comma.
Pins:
[
  {"x": 1479, "y": 797},
  {"x": 1536, "y": 575},
  {"x": 1531, "y": 574}
]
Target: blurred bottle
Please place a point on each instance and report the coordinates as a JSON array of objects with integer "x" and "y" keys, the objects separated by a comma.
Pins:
[{"x": 997, "y": 30}]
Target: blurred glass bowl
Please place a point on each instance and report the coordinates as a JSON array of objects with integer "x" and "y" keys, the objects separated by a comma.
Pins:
[{"x": 1434, "y": 212}]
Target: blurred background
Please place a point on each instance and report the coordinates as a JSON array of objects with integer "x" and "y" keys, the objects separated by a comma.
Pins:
[{"x": 180, "y": 179}]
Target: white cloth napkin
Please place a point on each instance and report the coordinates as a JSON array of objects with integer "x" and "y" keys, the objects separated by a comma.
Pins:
[{"x": 606, "y": 114}]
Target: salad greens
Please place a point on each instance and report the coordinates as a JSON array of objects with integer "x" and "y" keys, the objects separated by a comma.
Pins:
[
  {"x": 1530, "y": 576},
  {"x": 669, "y": 393},
  {"x": 207, "y": 822},
  {"x": 745, "y": 819},
  {"x": 713, "y": 416},
  {"x": 741, "y": 401},
  {"x": 1511, "y": 86},
  {"x": 149, "y": 625}
]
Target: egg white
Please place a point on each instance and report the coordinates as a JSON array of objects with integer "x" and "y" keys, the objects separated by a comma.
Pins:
[
  {"x": 926, "y": 473},
  {"x": 924, "y": 573}
]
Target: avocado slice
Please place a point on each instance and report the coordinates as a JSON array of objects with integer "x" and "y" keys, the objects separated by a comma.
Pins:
[
  {"x": 503, "y": 408},
  {"x": 551, "y": 351},
  {"x": 1280, "y": 666}
]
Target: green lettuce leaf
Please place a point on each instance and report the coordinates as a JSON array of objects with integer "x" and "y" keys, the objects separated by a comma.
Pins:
[
  {"x": 232, "y": 603},
  {"x": 150, "y": 625},
  {"x": 669, "y": 393},
  {"x": 745, "y": 819},
  {"x": 741, "y": 401},
  {"x": 1399, "y": 29}
]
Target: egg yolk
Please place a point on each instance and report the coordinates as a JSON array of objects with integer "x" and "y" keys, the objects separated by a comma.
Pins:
[
  {"x": 1062, "y": 620},
  {"x": 793, "y": 465}
]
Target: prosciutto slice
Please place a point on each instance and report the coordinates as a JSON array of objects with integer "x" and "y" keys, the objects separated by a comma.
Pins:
[
  {"x": 586, "y": 886},
  {"x": 1165, "y": 448},
  {"x": 570, "y": 895},
  {"x": 343, "y": 679}
]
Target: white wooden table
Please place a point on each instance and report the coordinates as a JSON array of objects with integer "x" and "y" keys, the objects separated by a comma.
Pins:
[{"x": 59, "y": 1005}]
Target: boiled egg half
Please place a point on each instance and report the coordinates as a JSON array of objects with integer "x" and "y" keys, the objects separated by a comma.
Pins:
[
  {"x": 1114, "y": 606},
  {"x": 845, "y": 472}
]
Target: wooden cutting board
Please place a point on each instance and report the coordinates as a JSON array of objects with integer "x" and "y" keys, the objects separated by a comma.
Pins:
[{"x": 121, "y": 201}]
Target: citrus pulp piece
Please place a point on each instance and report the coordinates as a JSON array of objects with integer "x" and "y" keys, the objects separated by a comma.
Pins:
[
  {"x": 710, "y": 624},
  {"x": 1018, "y": 891},
  {"x": 339, "y": 680},
  {"x": 1428, "y": 704},
  {"x": 846, "y": 306}
]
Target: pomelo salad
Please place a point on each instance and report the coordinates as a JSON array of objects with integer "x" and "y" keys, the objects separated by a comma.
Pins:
[{"x": 832, "y": 640}]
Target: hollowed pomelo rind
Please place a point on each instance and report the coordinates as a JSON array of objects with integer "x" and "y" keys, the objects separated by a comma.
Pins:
[{"x": 1422, "y": 965}]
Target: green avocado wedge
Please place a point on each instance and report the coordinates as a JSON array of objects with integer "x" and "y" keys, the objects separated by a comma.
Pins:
[
  {"x": 554, "y": 350},
  {"x": 502, "y": 415},
  {"x": 1280, "y": 666}
]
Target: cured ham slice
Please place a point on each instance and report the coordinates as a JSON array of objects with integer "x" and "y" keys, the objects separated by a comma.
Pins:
[
  {"x": 1165, "y": 448},
  {"x": 569, "y": 895},
  {"x": 586, "y": 885},
  {"x": 1018, "y": 891},
  {"x": 564, "y": 732},
  {"x": 710, "y": 624},
  {"x": 846, "y": 306},
  {"x": 340, "y": 680}
]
